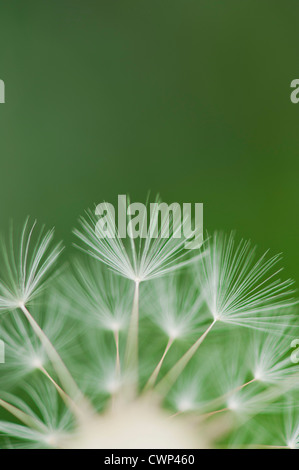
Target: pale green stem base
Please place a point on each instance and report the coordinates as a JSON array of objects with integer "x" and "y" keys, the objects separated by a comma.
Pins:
[
  {"x": 131, "y": 355},
  {"x": 152, "y": 380},
  {"x": 171, "y": 377}
]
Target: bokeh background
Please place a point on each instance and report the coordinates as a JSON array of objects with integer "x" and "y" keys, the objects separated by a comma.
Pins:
[{"x": 188, "y": 98}]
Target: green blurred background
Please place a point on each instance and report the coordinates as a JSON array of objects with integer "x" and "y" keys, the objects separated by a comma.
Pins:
[{"x": 187, "y": 98}]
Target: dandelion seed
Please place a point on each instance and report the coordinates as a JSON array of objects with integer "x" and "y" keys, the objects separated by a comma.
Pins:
[
  {"x": 26, "y": 275},
  {"x": 271, "y": 362},
  {"x": 140, "y": 259},
  {"x": 42, "y": 426},
  {"x": 25, "y": 271},
  {"x": 175, "y": 306},
  {"x": 241, "y": 289},
  {"x": 238, "y": 290},
  {"x": 100, "y": 298},
  {"x": 24, "y": 351},
  {"x": 171, "y": 377},
  {"x": 189, "y": 393},
  {"x": 291, "y": 427}
]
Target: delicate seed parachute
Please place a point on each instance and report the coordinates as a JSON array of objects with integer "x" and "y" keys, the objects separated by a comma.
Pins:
[
  {"x": 138, "y": 259},
  {"x": 241, "y": 288},
  {"x": 24, "y": 267},
  {"x": 94, "y": 360}
]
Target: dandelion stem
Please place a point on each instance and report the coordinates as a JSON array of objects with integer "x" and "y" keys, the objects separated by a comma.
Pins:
[
  {"x": 212, "y": 413},
  {"x": 152, "y": 380},
  {"x": 78, "y": 412},
  {"x": 117, "y": 362},
  {"x": 30, "y": 421},
  {"x": 220, "y": 399},
  {"x": 131, "y": 356},
  {"x": 171, "y": 377},
  {"x": 235, "y": 390},
  {"x": 58, "y": 364},
  {"x": 244, "y": 385}
]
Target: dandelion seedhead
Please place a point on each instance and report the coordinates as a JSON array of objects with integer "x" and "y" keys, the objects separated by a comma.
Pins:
[{"x": 94, "y": 360}]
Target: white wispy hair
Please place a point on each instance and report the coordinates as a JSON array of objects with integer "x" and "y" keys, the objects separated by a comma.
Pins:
[
  {"x": 230, "y": 374},
  {"x": 226, "y": 382},
  {"x": 271, "y": 357},
  {"x": 291, "y": 427},
  {"x": 100, "y": 297},
  {"x": 24, "y": 352},
  {"x": 269, "y": 430},
  {"x": 174, "y": 303},
  {"x": 25, "y": 276},
  {"x": 25, "y": 265},
  {"x": 105, "y": 375},
  {"x": 140, "y": 259},
  {"x": 192, "y": 391},
  {"x": 45, "y": 423},
  {"x": 240, "y": 288},
  {"x": 252, "y": 400},
  {"x": 221, "y": 381}
]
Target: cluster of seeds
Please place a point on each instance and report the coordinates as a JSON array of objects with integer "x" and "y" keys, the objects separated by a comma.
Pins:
[{"x": 145, "y": 344}]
